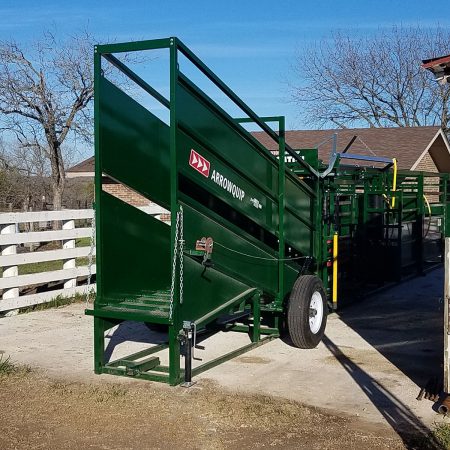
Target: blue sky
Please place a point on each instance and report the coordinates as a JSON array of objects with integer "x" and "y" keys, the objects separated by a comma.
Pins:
[{"x": 249, "y": 44}]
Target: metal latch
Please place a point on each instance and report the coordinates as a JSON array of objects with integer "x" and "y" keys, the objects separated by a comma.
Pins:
[{"x": 205, "y": 245}]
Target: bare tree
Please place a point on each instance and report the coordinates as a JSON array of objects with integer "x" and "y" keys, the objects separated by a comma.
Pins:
[
  {"x": 45, "y": 95},
  {"x": 23, "y": 177},
  {"x": 374, "y": 81}
]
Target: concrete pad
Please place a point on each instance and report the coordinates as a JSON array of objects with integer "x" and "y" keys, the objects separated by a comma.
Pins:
[{"x": 376, "y": 355}]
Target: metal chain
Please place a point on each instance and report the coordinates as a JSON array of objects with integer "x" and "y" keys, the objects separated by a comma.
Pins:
[
  {"x": 90, "y": 260},
  {"x": 179, "y": 222},
  {"x": 181, "y": 254}
]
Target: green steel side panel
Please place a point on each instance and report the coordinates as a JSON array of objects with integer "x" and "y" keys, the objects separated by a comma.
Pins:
[
  {"x": 230, "y": 254},
  {"x": 215, "y": 130},
  {"x": 298, "y": 200},
  {"x": 290, "y": 275},
  {"x": 222, "y": 180},
  {"x": 134, "y": 144},
  {"x": 135, "y": 250},
  {"x": 205, "y": 289},
  {"x": 297, "y": 234},
  {"x": 298, "y": 217}
]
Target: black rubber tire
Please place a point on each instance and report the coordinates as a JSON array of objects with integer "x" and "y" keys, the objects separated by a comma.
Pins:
[{"x": 298, "y": 312}]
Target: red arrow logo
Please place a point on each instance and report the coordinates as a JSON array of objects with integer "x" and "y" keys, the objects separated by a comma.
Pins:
[{"x": 200, "y": 164}]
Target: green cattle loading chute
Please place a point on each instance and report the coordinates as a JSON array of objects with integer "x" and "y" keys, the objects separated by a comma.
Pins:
[{"x": 252, "y": 243}]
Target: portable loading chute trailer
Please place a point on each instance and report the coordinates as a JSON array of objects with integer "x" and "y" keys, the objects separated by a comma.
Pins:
[{"x": 253, "y": 241}]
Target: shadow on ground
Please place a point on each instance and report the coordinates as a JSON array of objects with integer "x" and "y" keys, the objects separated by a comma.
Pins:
[
  {"x": 402, "y": 420},
  {"x": 131, "y": 331},
  {"x": 405, "y": 325}
]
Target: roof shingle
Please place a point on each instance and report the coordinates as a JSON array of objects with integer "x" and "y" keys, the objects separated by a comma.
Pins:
[{"x": 404, "y": 143}]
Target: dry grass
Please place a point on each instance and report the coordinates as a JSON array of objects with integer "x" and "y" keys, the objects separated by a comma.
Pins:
[
  {"x": 9, "y": 368},
  {"x": 38, "y": 412}
]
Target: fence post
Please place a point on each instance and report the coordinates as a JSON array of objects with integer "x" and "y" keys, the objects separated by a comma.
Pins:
[
  {"x": 69, "y": 263},
  {"x": 10, "y": 271}
]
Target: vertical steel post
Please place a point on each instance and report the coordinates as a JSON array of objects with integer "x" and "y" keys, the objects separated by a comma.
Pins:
[
  {"x": 400, "y": 237},
  {"x": 99, "y": 345},
  {"x": 98, "y": 172},
  {"x": 335, "y": 270},
  {"x": 420, "y": 224},
  {"x": 446, "y": 312},
  {"x": 256, "y": 307},
  {"x": 99, "y": 332},
  {"x": 281, "y": 188},
  {"x": 446, "y": 228},
  {"x": 174, "y": 345}
]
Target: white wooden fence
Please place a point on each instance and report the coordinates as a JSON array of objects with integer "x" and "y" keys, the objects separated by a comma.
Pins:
[{"x": 11, "y": 237}]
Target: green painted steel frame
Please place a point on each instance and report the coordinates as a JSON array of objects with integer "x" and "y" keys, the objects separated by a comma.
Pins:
[
  {"x": 325, "y": 217},
  {"x": 130, "y": 366},
  {"x": 104, "y": 320}
]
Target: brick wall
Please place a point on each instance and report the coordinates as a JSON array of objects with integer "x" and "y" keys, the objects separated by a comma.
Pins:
[
  {"x": 430, "y": 184},
  {"x": 129, "y": 196},
  {"x": 124, "y": 193},
  {"x": 427, "y": 164}
]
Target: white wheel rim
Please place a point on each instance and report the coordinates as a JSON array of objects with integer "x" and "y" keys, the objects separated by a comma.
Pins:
[{"x": 315, "y": 312}]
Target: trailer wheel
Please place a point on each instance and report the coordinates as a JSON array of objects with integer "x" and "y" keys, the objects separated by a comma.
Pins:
[{"x": 307, "y": 312}]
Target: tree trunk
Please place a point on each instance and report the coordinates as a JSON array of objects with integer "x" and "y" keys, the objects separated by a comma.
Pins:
[
  {"x": 58, "y": 173},
  {"x": 57, "y": 193}
]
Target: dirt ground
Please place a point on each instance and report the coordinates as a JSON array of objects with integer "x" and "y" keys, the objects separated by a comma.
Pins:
[
  {"x": 38, "y": 412},
  {"x": 356, "y": 390}
]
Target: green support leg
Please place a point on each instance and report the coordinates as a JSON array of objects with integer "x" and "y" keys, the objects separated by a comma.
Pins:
[
  {"x": 174, "y": 356},
  {"x": 99, "y": 344},
  {"x": 256, "y": 307}
]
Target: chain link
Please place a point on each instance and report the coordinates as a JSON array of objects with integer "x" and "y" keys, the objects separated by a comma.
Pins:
[
  {"x": 180, "y": 242},
  {"x": 90, "y": 260},
  {"x": 181, "y": 254}
]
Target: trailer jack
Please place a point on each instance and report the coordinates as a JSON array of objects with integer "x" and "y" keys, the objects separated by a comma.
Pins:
[{"x": 187, "y": 337}]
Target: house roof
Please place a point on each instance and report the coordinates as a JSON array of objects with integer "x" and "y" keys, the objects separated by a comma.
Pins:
[
  {"x": 86, "y": 166},
  {"x": 407, "y": 144},
  {"x": 434, "y": 62},
  {"x": 440, "y": 67}
]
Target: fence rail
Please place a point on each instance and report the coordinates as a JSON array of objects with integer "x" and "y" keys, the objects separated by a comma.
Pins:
[{"x": 13, "y": 256}]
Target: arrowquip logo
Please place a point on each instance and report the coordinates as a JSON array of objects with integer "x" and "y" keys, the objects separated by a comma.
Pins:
[
  {"x": 228, "y": 185},
  {"x": 203, "y": 166},
  {"x": 200, "y": 164}
]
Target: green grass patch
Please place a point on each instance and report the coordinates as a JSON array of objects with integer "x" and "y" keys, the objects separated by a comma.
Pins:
[
  {"x": 441, "y": 434},
  {"x": 84, "y": 261},
  {"x": 83, "y": 242},
  {"x": 57, "y": 302},
  {"x": 26, "y": 269},
  {"x": 7, "y": 367},
  {"x": 46, "y": 266}
]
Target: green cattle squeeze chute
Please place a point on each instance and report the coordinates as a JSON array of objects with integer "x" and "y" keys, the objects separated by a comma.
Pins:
[{"x": 253, "y": 234}]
